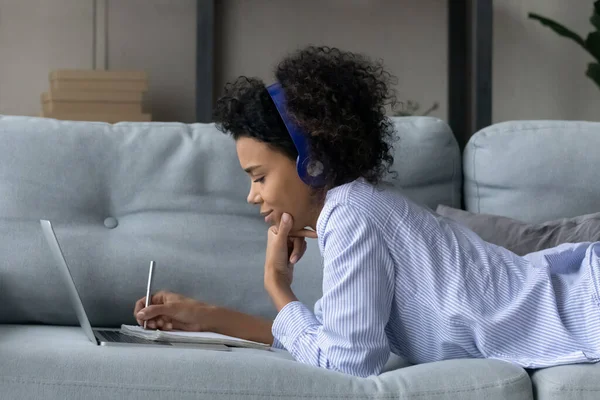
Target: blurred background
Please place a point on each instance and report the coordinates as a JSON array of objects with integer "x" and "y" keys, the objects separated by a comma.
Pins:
[{"x": 190, "y": 48}]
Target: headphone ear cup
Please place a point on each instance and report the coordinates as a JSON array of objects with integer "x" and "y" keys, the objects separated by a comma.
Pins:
[
  {"x": 310, "y": 171},
  {"x": 314, "y": 168}
]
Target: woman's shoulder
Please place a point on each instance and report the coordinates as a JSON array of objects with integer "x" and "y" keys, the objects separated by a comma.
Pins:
[
  {"x": 379, "y": 204},
  {"x": 363, "y": 196}
]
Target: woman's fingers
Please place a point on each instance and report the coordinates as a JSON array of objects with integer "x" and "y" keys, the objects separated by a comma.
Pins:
[
  {"x": 304, "y": 233},
  {"x": 181, "y": 326},
  {"x": 156, "y": 310},
  {"x": 162, "y": 323},
  {"x": 297, "y": 249},
  {"x": 139, "y": 305},
  {"x": 159, "y": 297},
  {"x": 168, "y": 324},
  {"x": 163, "y": 307}
]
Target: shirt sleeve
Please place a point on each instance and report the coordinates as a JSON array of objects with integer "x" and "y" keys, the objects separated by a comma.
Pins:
[
  {"x": 277, "y": 344},
  {"x": 358, "y": 286}
]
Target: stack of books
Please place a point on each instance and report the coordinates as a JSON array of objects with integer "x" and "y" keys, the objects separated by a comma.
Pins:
[{"x": 95, "y": 95}]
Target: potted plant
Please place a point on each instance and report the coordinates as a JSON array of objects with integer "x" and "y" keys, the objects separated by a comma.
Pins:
[{"x": 591, "y": 43}]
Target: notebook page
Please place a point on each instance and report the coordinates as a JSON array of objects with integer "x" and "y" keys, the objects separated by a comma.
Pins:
[{"x": 153, "y": 334}]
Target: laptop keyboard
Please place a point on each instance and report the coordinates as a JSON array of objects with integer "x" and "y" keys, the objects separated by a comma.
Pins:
[{"x": 113, "y": 336}]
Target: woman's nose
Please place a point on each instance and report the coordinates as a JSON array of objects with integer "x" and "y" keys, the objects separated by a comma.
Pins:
[{"x": 253, "y": 198}]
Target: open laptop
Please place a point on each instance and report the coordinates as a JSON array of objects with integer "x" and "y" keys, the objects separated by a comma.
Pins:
[{"x": 103, "y": 337}]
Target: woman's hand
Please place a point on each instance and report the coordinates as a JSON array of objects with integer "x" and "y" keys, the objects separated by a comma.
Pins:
[
  {"x": 174, "y": 311},
  {"x": 296, "y": 248},
  {"x": 279, "y": 270}
]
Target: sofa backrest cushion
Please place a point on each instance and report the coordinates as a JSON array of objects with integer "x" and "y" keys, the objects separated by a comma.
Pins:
[
  {"x": 533, "y": 171},
  {"x": 122, "y": 195}
]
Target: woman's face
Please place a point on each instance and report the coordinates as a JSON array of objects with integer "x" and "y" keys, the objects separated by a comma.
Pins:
[{"x": 275, "y": 185}]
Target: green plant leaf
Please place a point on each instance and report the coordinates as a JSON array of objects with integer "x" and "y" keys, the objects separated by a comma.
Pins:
[
  {"x": 558, "y": 28},
  {"x": 595, "y": 20},
  {"x": 592, "y": 44},
  {"x": 593, "y": 72}
]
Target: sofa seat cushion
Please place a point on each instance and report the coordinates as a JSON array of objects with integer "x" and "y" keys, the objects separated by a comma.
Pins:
[
  {"x": 53, "y": 362},
  {"x": 581, "y": 382}
]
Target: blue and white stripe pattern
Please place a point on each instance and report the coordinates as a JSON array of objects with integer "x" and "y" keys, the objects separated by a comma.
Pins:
[{"x": 400, "y": 278}]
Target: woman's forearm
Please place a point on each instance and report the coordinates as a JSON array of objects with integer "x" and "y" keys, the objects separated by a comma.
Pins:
[{"x": 244, "y": 326}]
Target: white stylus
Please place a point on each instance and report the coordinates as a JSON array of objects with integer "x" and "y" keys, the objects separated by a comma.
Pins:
[{"x": 149, "y": 288}]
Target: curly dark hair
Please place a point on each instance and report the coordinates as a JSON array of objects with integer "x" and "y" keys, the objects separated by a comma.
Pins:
[{"x": 337, "y": 97}]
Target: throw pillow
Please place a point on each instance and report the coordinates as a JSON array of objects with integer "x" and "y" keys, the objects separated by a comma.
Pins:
[{"x": 522, "y": 238}]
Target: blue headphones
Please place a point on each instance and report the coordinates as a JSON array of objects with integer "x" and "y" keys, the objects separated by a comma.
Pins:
[{"x": 310, "y": 171}]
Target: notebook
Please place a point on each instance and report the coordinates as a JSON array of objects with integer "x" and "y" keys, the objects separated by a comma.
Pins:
[{"x": 190, "y": 337}]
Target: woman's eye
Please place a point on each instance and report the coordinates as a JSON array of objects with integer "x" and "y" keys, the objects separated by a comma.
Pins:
[{"x": 260, "y": 180}]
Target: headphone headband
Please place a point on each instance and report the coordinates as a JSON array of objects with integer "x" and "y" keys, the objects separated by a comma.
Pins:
[{"x": 310, "y": 171}]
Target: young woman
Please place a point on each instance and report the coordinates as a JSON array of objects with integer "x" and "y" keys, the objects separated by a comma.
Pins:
[{"x": 397, "y": 277}]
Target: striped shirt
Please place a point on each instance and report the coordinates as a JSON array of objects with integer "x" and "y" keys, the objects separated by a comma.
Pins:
[{"x": 400, "y": 278}]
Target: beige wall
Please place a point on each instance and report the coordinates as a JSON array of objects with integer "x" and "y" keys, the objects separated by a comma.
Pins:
[
  {"x": 35, "y": 37},
  {"x": 409, "y": 35},
  {"x": 159, "y": 36},
  {"x": 536, "y": 73}
]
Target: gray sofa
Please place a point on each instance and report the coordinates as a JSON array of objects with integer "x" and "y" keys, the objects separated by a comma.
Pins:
[{"x": 121, "y": 195}]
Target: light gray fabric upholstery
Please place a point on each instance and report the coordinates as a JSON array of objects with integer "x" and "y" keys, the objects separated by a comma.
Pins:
[
  {"x": 177, "y": 195},
  {"x": 40, "y": 362},
  {"x": 522, "y": 238},
  {"x": 122, "y": 195},
  {"x": 533, "y": 171},
  {"x": 427, "y": 162},
  {"x": 539, "y": 172},
  {"x": 569, "y": 382}
]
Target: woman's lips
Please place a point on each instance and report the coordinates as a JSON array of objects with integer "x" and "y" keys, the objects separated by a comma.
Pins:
[{"x": 268, "y": 217}]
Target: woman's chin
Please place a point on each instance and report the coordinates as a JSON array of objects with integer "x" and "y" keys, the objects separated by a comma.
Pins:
[{"x": 270, "y": 220}]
